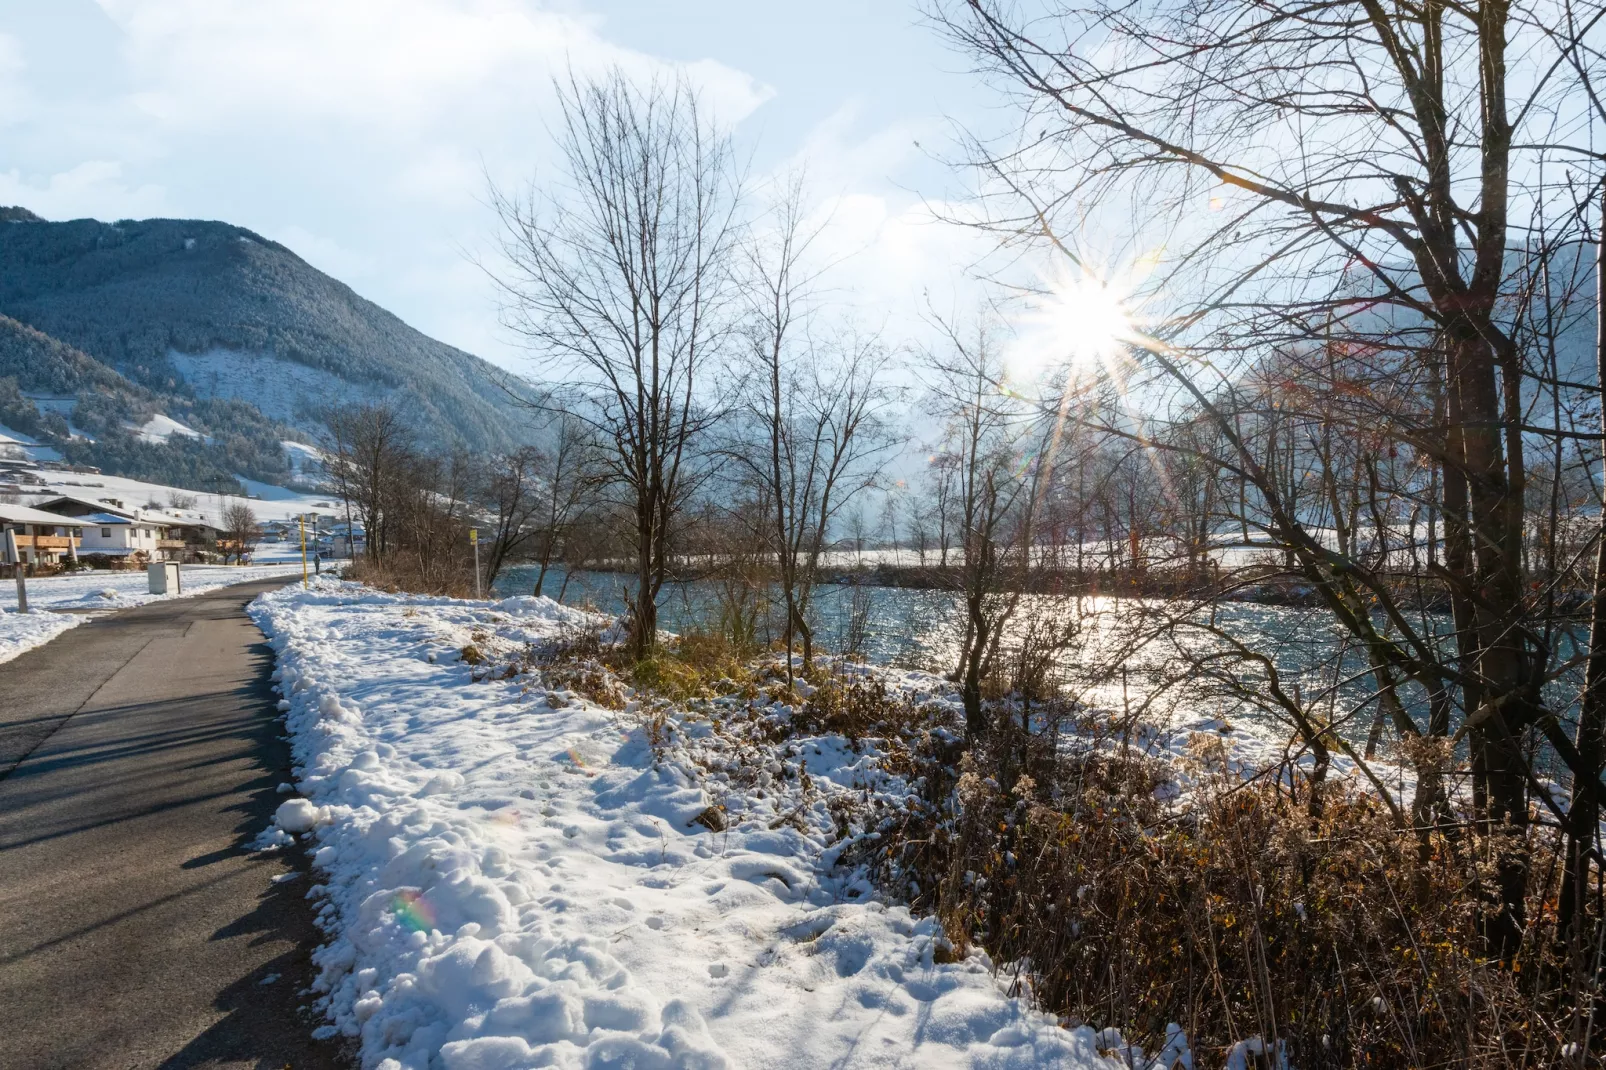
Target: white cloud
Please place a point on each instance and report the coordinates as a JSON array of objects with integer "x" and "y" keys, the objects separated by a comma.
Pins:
[
  {"x": 892, "y": 252},
  {"x": 838, "y": 157},
  {"x": 93, "y": 188},
  {"x": 391, "y": 67},
  {"x": 359, "y": 133}
]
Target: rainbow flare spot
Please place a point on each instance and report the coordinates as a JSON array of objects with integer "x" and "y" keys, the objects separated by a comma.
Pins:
[{"x": 413, "y": 910}]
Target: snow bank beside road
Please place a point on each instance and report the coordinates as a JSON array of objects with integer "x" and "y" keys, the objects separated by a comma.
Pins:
[
  {"x": 19, "y": 633},
  {"x": 84, "y": 593},
  {"x": 513, "y": 878}
]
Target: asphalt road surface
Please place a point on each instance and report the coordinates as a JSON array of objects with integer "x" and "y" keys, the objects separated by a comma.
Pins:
[{"x": 139, "y": 756}]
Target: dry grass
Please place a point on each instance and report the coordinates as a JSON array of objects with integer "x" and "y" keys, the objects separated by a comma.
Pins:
[
  {"x": 1236, "y": 914},
  {"x": 1232, "y": 911},
  {"x": 402, "y": 573}
]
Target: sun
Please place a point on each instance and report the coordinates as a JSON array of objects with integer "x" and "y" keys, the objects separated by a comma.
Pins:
[{"x": 1078, "y": 320}]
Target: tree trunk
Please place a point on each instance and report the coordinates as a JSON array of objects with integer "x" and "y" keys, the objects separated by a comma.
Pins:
[
  {"x": 644, "y": 623},
  {"x": 1495, "y": 587},
  {"x": 1584, "y": 813},
  {"x": 970, "y": 681}
]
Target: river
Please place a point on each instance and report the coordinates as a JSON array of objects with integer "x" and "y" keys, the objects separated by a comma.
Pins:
[{"x": 1166, "y": 664}]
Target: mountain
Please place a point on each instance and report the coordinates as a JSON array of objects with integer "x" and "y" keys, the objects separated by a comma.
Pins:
[
  {"x": 212, "y": 319},
  {"x": 86, "y": 413}
]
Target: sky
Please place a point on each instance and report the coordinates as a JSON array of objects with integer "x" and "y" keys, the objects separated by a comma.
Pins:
[{"x": 360, "y": 133}]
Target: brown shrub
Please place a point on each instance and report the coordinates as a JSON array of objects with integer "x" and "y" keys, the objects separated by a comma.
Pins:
[
  {"x": 858, "y": 706},
  {"x": 404, "y": 573},
  {"x": 1233, "y": 911}
]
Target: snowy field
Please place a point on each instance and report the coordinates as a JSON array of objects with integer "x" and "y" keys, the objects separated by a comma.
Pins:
[
  {"x": 86, "y": 593},
  {"x": 512, "y": 875}
]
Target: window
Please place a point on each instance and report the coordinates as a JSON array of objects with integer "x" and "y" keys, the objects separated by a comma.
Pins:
[{"x": 105, "y": 533}]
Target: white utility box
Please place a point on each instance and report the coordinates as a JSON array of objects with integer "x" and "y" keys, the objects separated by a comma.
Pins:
[{"x": 164, "y": 577}]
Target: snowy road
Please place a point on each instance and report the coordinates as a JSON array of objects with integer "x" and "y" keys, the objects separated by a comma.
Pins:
[
  {"x": 63, "y": 602},
  {"x": 137, "y": 755}
]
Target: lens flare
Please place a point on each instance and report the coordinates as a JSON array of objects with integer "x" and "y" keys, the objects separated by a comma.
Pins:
[{"x": 413, "y": 910}]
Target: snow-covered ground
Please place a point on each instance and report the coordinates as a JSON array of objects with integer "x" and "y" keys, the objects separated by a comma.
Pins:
[
  {"x": 85, "y": 593},
  {"x": 306, "y": 462},
  {"x": 270, "y": 503},
  {"x": 512, "y": 875},
  {"x": 160, "y": 428},
  {"x": 282, "y": 389},
  {"x": 14, "y": 445}
]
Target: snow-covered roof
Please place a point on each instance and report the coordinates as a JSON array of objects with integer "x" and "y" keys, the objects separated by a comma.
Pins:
[
  {"x": 173, "y": 520},
  {"x": 91, "y": 503},
  {"x": 21, "y": 514}
]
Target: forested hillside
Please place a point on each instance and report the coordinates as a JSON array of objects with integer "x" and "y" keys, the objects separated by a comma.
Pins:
[
  {"x": 107, "y": 410},
  {"x": 210, "y": 312}
]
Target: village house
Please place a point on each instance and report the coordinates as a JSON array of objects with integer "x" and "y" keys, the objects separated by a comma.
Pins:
[
  {"x": 43, "y": 539},
  {"x": 112, "y": 529}
]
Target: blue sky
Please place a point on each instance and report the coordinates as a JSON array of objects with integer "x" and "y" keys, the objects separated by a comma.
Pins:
[{"x": 355, "y": 131}]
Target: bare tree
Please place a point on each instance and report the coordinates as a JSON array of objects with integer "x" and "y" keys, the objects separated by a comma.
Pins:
[
  {"x": 621, "y": 278},
  {"x": 816, "y": 429},
  {"x": 1357, "y": 170},
  {"x": 569, "y": 470},
  {"x": 240, "y": 531},
  {"x": 536, "y": 495},
  {"x": 994, "y": 496},
  {"x": 512, "y": 493},
  {"x": 371, "y": 449}
]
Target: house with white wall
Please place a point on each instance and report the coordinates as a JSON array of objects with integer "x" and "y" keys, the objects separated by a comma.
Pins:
[
  {"x": 116, "y": 535},
  {"x": 42, "y": 538},
  {"x": 112, "y": 529}
]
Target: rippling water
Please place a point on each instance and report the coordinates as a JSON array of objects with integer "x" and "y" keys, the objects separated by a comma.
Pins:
[{"x": 1147, "y": 658}]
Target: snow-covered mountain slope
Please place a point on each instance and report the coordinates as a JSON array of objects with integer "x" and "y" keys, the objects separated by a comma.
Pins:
[
  {"x": 14, "y": 445},
  {"x": 160, "y": 428},
  {"x": 306, "y": 462},
  {"x": 210, "y": 311},
  {"x": 514, "y": 876},
  {"x": 293, "y": 394}
]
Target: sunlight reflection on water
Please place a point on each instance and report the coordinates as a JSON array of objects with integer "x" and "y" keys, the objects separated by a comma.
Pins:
[{"x": 1126, "y": 656}]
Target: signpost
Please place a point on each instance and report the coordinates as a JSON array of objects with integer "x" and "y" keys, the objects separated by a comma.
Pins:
[
  {"x": 15, "y": 557},
  {"x": 474, "y": 540}
]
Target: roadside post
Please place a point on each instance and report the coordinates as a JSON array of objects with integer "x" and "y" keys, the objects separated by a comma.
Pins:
[
  {"x": 474, "y": 540},
  {"x": 14, "y": 556},
  {"x": 302, "y": 521}
]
